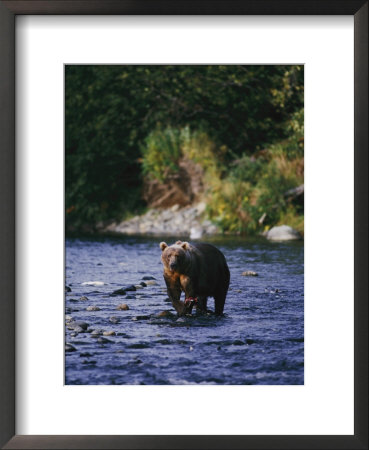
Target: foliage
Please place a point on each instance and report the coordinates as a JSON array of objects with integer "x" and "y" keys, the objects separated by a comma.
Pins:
[
  {"x": 164, "y": 148},
  {"x": 122, "y": 122},
  {"x": 251, "y": 198},
  {"x": 162, "y": 151},
  {"x": 239, "y": 194}
]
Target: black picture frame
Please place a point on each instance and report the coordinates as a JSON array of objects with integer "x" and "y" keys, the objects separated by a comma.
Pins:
[{"x": 8, "y": 12}]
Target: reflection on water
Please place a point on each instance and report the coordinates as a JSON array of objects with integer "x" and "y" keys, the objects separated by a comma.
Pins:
[{"x": 259, "y": 341}]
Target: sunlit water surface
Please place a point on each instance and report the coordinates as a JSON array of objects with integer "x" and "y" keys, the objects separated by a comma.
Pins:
[{"x": 260, "y": 340}]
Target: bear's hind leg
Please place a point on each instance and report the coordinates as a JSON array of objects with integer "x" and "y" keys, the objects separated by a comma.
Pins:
[
  {"x": 221, "y": 290},
  {"x": 219, "y": 301},
  {"x": 201, "y": 304}
]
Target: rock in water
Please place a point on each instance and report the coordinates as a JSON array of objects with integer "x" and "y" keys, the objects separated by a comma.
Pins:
[
  {"x": 69, "y": 348},
  {"x": 76, "y": 325},
  {"x": 129, "y": 288},
  {"x": 102, "y": 340},
  {"x": 141, "y": 318},
  {"x": 96, "y": 333},
  {"x": 114, "y": 319},
  {"x": 78, "y": 330},
  {"x": 165, "y": 314},
  {"x": 119, "y": 292},
  {"x": 109, "y": 333},
  {"x": 92, "y": 308},
  {"x": 123, "y": 307},
  {"x": 282, "y": 233},
  {"x": 93, "y": 283}
]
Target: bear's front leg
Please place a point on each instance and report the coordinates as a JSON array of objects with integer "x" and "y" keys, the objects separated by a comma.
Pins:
[
  {"x": 190, "y": 293},
  {"x": 174, "y": 293}
]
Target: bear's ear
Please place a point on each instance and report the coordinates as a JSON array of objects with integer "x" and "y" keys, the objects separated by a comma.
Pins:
[
  {"x": 185, "y": 245},
  {"x": 179, "y": 243},
  {"x": 163, "y": 246}
]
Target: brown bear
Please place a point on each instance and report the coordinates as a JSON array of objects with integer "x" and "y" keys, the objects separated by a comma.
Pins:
[{"x": 200, "y": 271}]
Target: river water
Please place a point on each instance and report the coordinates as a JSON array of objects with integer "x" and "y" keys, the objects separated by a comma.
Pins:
[{"x": 260, "y": 339}]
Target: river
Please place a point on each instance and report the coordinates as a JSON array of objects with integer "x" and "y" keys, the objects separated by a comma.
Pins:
[{"x": 260, "y": 339}]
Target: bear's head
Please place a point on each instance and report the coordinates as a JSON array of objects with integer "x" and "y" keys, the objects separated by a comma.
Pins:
[{"x": 174, "y": 256}]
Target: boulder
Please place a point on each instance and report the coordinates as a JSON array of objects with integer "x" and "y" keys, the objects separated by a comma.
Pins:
[
  {"x": 282, "y": 233},
  {"x": 196, "y": 232}
]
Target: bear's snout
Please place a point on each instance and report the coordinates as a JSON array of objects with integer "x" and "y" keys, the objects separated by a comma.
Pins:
[{"x": 173, "y": 265}]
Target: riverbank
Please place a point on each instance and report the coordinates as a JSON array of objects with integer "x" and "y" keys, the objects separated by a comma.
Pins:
[
  {"x": 175, "y": 221},
  {"x": 189, "y": 221}
]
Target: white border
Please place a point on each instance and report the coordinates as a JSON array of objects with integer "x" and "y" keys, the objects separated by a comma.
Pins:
[{"x": 325, "y": 404}]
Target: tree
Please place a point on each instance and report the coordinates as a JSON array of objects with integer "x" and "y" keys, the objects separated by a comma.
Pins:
[{"x": 109, "y": 111}]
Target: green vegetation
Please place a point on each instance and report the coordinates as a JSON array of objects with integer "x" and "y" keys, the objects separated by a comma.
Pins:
[
  {"x": 242, "y": 124},
  {"x": 161, "y": 152},
  {"x": 240, "y": 193}
]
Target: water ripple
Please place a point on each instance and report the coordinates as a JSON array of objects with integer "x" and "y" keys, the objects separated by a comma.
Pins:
[{"x": 260, "y": 340}]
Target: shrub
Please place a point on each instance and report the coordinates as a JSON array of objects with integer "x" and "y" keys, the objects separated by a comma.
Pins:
[{"x": 246, "y": 195}]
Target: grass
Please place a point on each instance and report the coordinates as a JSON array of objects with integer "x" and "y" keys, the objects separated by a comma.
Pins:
[{"x": 245, "y": 194}]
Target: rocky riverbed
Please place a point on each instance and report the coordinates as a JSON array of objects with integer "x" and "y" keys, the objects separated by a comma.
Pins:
[{"x": 120, "y": 327}]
